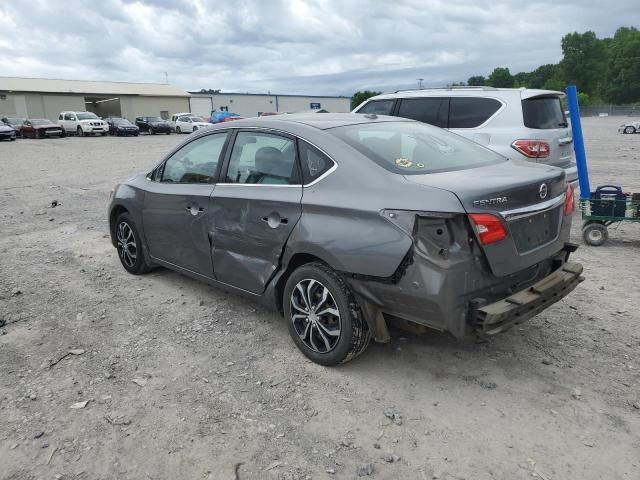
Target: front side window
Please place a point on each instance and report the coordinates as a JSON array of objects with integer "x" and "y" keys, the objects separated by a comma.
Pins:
[
  {"x": 196, "y": 162},
  {"x": 378, "y": 107},
  {"x": 412, "y": 148},
  {"x": 314, "y": 163},
  {"x": 69, "y": 116},
  {"x": 431, "y": 110},
  {"x": 262, "y": 159},
  {"x": 471, "y": 112}
]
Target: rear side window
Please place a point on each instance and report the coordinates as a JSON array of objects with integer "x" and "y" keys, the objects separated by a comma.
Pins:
[
  {"x": 413, "y": 148},
  {"x": 264, "y": 159},
  {"x": 314, "y": 162},
  {"x": 431, "y": 110},
  {"x": 378, "y": 107},
  {"x": 543, "y": 113},
  {"x": 471, "y": 112}
]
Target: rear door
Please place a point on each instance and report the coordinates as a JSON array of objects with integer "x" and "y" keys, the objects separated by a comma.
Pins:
[
  {"x": 176, "y": 204},
  {"x": 545, "y": 120},
  {"x": 254, "y": 208}
]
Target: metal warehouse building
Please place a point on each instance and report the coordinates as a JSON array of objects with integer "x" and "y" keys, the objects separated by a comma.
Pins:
[
  {"x": 254, "y": 104},
  {"x": 46, "y": 98}
]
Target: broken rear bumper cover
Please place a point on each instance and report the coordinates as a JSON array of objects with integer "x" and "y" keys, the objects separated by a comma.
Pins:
[{"x": 496, "y": 317}]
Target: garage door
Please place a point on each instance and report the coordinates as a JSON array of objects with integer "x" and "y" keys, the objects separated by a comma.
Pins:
[{"x": 201, "y": 106}]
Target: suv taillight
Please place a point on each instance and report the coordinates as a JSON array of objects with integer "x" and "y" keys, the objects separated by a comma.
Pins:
[
  {"x": 532, "y": 148},
  {"x": 569, "y": 202},
  {"x": 488, "y": 227}
]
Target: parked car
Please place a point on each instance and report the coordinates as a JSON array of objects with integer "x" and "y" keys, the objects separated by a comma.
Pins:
[
  {"x": 41, "y": 128},
  {"x": 630, "y": 127},
  {"x": 82, "y": 124},
  {"x": 521, "y": 124},
  {"x": 153, "y": 125},
  {"x": 175, "y": 117},
  {"x": 14, "y": 122},
  {"x": 220, "y": 117},
  {"x": 122, "y": 127},
  {"x": 359, "y": 220},
  {"x": 190, "y": 123},
  {"x": 7, "y": 132}
]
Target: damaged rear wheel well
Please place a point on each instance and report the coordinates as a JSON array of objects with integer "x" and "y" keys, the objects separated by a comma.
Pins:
[{"x": 296, "y": 261}]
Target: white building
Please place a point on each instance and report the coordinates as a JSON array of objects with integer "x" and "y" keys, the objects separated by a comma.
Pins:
[{"x": 254, "y": 104}]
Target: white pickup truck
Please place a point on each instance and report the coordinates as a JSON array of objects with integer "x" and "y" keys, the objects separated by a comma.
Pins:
[{"x": 82, "y": 123}]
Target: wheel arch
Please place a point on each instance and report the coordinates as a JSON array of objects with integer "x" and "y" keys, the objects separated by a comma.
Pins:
[{"x": 116, "y": 210}]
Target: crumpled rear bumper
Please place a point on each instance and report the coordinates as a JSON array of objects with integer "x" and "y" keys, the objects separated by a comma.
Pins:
[{"x": 497, "y": 317}]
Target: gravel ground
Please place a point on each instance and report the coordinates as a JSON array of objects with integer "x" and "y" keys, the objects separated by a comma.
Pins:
[{"x": 104, "y": 375}]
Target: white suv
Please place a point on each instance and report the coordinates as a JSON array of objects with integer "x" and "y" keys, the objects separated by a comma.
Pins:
[
  {"x": 519, "y": 123},
  {"x": 82, "y": 123}
]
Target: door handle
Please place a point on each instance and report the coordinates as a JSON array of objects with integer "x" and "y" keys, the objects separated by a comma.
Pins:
[
  {"x": 194, "y": 210},
  {"x": 274, "y": 220}
]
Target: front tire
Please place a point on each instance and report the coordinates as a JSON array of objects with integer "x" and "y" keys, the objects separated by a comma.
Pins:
[
  {"x": 178, "y": 131},
  {"x": 323, "y": 316},
  {"x": 595, "y": 234},
  {"x": 629, "y": 129},
  {"x": 152, "y": 131},
  {"x": 79, "y": 132},
  {"x": 129, "y": 245}
]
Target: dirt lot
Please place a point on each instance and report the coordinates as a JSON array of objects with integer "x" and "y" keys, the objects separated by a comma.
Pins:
[{"x": 187, "y": 382}]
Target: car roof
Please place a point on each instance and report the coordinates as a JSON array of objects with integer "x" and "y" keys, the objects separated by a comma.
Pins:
[
  {"x": 524, "y": 93},
  {"x": 322, "y": 121}
]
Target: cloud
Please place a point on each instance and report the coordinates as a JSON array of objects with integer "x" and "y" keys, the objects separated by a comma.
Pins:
[{"x": 295, "y": 46}]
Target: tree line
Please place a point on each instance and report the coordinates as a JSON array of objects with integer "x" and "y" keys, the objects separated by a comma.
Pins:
[{"x": 605, "y": 70}]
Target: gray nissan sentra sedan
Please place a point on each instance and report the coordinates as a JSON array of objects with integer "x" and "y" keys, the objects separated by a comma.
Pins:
[{"x": 346, "y": 223}]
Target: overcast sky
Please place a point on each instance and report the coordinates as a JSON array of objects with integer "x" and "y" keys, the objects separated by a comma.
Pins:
[{"x": 293, "y": 46}]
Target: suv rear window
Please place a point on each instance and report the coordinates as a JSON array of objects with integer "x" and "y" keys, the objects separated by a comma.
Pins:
[
  {"x": 378, "y": 107},
  {"x": 471, "y": 112},
  {"x": 543, "y": 113},
  {"x": 431, "y": 110},
  {"x": 413, "y": 148}
]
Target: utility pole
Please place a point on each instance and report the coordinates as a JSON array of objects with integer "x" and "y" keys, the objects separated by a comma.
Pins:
[
  {"x": 420, "y": 80},
  {"x": 166, "y": 78}
]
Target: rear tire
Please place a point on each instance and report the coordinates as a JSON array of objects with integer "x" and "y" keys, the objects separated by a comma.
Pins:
[
  {"x": 629, "y": 129},
  {"x": 129, "y": 246},
  {"x": 595, "y": 234},
  {"x": 332, "y": 329}
]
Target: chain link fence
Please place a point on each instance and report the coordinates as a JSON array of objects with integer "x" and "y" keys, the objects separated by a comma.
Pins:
[{"x": 610, "y": 110}]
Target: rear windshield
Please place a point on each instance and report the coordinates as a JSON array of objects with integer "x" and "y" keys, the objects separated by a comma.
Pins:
[
  {"x": 543, "y": 113},
  {"x": 412, "y": 148}
]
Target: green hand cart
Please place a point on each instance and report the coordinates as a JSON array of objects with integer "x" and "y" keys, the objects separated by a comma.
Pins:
[{"x": 606, "y": 206}]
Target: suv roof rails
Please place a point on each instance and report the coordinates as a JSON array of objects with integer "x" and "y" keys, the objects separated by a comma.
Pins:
[{"x": 452, "y": 87}]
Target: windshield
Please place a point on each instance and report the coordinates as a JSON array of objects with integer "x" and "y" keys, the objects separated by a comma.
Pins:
[
  {"x": 15, "y": 121},
  {"x": 41, "y": 121},
  {"x": 86, "y": 116},
  {"x": 196, "y": 119},
  {"x": 544, "y": 113},
  {"x": 121, "y": 122},
  {"x": 412, "y": 148},
  {"x": 154, "y": 119}
]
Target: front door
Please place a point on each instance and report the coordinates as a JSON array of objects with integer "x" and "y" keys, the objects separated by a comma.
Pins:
[
  {"x": 254, "y": 208},
  {"x": 176, "y": 203}
]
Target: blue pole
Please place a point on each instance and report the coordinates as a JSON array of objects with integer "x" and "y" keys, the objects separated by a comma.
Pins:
[{"x": 578, "y": 142}]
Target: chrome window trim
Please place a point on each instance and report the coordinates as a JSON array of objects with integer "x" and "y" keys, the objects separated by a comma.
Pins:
[{"x": 533, "y": 209}]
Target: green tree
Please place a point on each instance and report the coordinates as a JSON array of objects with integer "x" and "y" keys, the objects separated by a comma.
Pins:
[
  {"x": 209, "y": 90},
  {"x": 540, "y": 75},
  {"x": 521, "y": 79},
  {"x": 500, "y": 78},
  {"x": 583, "y": 99},
  {"x": 584, "y": 61},
  {"x": 360, "y": 97},
  {"x": 622, "y": 84},
  {"x": 476, "y": 81}
]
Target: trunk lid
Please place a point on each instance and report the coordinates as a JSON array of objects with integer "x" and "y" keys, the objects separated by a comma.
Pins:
[{"x": 528, "y": 198}]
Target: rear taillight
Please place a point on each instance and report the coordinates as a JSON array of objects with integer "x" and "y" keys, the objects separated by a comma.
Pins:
[
  {"x": 488, "y": 227},
  {"x": 569, "y": 202},
  {"x": 532, "y": 148}
]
